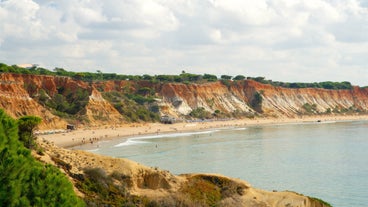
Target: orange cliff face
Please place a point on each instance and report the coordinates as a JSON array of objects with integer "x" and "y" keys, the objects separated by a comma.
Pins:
[
  {"x": 276, "y": 101},
  {"x": 280, "y": 101},
  {"x": 16, "y": 100},
  {"x": 18, "y": 92},
  {"x": 183, "y": 98},
  {"x": 100, "y": 112},
  {"x": 18, "y": 97}
]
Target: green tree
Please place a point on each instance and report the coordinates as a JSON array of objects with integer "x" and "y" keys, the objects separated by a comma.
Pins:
[
  {"x": 27, "y": 125},
  {"x": 191, "y": 77},
  {"x": 145, "y": 91},
  {"x": 209, "y": 77},
  {"x": 61, "y": 71},
  {"x": 165, "y": 78},
  {"x": 79, "y": 76},
  {"x": 25, "y": 181},
  {"x": 226, "y": 77},
  {"x": 147, "y": 77},
  {"x": 239, "y": 77}
]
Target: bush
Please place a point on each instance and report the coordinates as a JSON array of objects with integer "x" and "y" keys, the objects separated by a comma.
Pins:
[
  {"x": 133, "y": 107},
  {"x": 310, "y": 108},
  {"x": 226, "y": 82},
  {"x": 65, "y": 101},
  {"x": 101, "y": 189},
  {"x": 200, "y": 113},
  {"x": 257, "y": 100},
  {"x": 208, "y": 190}
]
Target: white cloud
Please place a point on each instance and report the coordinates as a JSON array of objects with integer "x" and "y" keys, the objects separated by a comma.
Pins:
[
  {"x": 291, "y": 40},
  {"x": 247, "y": 11},
  {"x": 18, "y": 17}
]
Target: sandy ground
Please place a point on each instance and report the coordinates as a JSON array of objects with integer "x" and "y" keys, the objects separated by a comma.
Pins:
[{"x": 67, "y": 139}]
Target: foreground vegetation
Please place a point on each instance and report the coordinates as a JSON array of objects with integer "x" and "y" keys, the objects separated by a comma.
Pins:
[{"x": 25, "y": 181}]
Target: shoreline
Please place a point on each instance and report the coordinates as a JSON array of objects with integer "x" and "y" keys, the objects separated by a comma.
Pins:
[{"x": 91, "y": 135}]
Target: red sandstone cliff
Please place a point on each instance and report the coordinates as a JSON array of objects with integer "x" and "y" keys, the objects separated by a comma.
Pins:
[{"x": 19, "y": 95}]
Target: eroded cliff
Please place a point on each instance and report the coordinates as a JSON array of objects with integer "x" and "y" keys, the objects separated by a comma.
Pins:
[
  {"x": 102, "y": 180},
  {"x": 58, "y": 100}
]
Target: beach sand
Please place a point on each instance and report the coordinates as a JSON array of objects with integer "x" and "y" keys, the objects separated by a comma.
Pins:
[{"x": 80, "y": 136}]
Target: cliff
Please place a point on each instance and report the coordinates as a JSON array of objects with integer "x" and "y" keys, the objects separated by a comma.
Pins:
[
  {"x": 59, "y": 100},
  {"x": 111, "y": 181}
]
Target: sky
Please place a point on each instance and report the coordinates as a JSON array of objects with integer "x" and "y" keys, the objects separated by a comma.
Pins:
[{"x": 282, "y": 40}]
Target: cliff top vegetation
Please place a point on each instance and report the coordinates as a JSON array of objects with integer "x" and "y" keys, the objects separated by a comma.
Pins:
[{"x": 181, "y": 78}]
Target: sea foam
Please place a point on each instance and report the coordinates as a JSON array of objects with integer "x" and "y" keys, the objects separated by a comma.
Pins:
[{"x": 137, "y": 140}]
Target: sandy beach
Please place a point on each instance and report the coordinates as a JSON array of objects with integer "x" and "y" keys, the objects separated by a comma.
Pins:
[{"x": 81, "y": 136}]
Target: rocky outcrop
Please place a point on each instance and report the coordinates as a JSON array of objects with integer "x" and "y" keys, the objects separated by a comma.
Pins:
[
  {"x": 99, "y": 111},
  {"x": 20, "y": 95},
  {"x": 183, "y": 98}
]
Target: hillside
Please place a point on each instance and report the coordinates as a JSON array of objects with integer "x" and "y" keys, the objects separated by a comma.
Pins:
[
  {"x": 104, "y": 181},
  {"x": 59, "y": 100}
]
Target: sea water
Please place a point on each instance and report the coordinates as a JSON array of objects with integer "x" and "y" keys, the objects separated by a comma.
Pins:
[{"x": 327, "y": 160}]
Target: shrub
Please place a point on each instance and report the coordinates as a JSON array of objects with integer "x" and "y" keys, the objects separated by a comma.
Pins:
[
  {"x": 101, "y": 189},
  {"x": 133, "y": 107},
  {"x": 310, "y": 108},
  {"x": 203, "y": 192},
  {"x": 200, "y": 113},
  {"x": 257, "y": 100},
  {"x": 226, "y": 82},
  {"x": 65, "y": 101}
]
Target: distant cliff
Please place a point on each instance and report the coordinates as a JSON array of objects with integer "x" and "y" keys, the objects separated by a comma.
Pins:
[{"x": 59, "y": 100}]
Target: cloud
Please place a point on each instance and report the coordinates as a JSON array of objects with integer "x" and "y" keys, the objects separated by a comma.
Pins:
[{"x": 287, "y": 40}]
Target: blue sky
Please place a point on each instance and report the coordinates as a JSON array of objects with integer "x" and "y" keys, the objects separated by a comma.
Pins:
[{"x": 285, "y": 40}]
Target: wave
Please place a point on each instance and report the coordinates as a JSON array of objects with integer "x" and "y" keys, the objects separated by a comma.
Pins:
[
  {"x": 239, "y": 129},
  {"x": 136, "y": 140},
  {"x": 93, "y": 150},
  {"x": 130, "y": 142},
  {"x": 184, "y": 134}
]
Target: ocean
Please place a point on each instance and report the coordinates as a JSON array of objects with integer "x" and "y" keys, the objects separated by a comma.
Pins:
[{"x": 327, "y": 160}]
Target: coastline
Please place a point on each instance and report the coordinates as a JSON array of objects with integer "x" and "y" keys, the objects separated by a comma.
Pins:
[{"x": 90, "y": 135}]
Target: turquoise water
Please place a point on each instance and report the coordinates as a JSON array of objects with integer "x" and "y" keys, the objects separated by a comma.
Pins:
[{"x": 328, "y": 160}]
